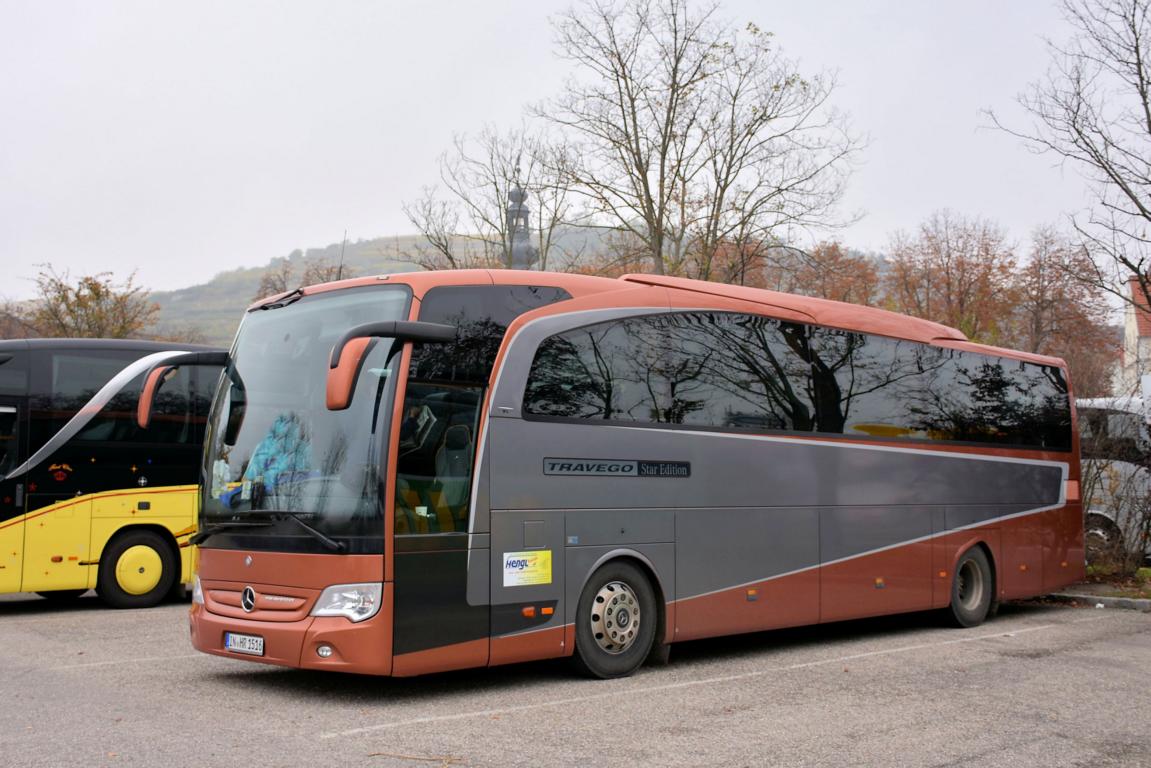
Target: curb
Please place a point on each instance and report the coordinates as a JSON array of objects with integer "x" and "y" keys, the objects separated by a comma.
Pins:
[{"x": 1124, "y": 603}]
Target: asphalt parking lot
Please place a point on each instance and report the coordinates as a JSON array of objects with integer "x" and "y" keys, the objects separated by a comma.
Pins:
[{"x": 1041, "y": 685}]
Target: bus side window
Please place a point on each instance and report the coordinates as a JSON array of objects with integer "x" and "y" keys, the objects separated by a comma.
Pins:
[
  {"x": 9, "y": 442},
  {"x": 436, "y": 452}
]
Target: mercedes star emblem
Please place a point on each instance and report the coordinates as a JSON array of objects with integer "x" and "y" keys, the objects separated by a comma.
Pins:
[{"x": 248, "y": 599}]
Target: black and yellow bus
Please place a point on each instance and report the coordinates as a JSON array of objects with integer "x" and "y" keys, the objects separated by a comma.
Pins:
[{"x": 97, "y": 502}]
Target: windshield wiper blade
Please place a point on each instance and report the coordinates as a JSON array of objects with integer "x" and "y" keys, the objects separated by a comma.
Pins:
[
  {"x": 212, "y": 530},
  {"x": 330, "y": 543},
  {"x": 284, "y": 300}
]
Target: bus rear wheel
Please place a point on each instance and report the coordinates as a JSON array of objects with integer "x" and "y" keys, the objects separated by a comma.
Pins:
[
  {"x": 972, "y": 589},
  {"x": 616, "y": 621},
  {"x": 137, "y": 570}
]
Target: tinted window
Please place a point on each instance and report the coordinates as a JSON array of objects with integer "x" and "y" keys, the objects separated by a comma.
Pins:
[
  {"x": 482, "y": 314},
  {"x": 748, "y": 372},
  {"x": 701, "y": 369},
  {"x": 442, "y": 404},
  {"x": 13, "y": 373},
  {"x": 1117, "y": 435},
  {"x": 64, "y": 380}
]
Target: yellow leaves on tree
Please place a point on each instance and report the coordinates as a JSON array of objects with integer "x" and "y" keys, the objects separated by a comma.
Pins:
[{"x": 92, "y": 306}]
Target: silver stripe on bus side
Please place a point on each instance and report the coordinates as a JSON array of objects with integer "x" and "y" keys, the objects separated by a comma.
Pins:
[{"x": 93, "y": 407}]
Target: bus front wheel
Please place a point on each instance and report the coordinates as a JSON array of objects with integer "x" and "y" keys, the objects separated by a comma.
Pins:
[
  {"x": 972, "y": 589},
  {"x": 137, "y": 570},
  {"x": 615, "y": 622}
]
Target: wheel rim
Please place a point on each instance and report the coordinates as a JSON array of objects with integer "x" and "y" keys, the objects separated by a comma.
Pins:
[
  {"x": 1100, "y": 541},
  {"x": 139, "y": 570},
  {"x": 971, "y": 585},
  {"x": 615, "y": 617}
]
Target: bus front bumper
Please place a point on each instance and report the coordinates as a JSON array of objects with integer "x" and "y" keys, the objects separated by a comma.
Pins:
[{"x": 324, "y": 642}]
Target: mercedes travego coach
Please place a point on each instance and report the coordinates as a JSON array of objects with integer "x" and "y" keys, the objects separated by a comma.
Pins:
[
  {"x": 432, "y": 471},
  {"x": 88, "y": 499}
]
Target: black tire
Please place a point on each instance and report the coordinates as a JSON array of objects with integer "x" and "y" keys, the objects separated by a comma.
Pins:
[
  {"x": 972, "y": 589},
  {"x": 62, "y": 595},
  {"x": 1103, "y": 541},
  {"x": 608, "y": 641},
  {"x": 137, "y": 570}
]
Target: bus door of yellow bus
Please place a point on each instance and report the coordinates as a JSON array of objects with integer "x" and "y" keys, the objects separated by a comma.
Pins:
[{"x": 12, "y": 494}]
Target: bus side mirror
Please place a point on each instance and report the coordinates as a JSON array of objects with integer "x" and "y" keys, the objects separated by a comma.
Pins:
[
  {"x": 156, "y": 375},
  {"x": 342, "y": 378},
  {"x": 155, "y": 379},
  {"x": 349, "y": 352}
]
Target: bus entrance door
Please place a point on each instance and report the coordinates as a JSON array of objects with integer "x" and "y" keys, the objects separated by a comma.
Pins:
[{"x": 12, "y": 493}]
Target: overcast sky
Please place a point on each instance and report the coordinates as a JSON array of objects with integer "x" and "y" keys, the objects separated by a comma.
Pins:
[{"x": 181, "y": 139}]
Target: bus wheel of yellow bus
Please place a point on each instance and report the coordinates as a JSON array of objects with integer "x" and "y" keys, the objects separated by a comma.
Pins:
[
  {"x": 972, "y": 589},
  {"x": 137, "y": 570},
  {"x": 615, "y": 621}
]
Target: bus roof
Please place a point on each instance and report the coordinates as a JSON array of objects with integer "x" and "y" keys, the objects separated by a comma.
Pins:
[
  {"x": 13, "y": 345},
  {"x": 1129, "y": 403},
  {"x": 836, "y": 314}
]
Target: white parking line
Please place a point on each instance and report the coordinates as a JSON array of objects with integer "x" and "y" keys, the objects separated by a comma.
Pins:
[
  {"x": 689, "y": 683},
  {"x": 123, "y": 661}
]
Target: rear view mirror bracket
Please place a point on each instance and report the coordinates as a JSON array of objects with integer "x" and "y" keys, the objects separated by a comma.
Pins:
[{"x": 349, "y": 352}]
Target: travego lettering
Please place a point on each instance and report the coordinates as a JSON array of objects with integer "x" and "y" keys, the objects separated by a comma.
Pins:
[{"x": 616, "y": 468}]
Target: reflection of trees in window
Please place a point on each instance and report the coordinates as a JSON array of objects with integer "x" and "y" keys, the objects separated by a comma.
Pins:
[
  {"x": 747, "y": 372},
  {"x": 469, "y": 358},
  {"x": 996, "y": 400},
  {"x": 574, "y": 374},
  {"x": 752, "y": 372},
  {"x": 481, "y": 315},
  {"x": 874, "y": 377}
]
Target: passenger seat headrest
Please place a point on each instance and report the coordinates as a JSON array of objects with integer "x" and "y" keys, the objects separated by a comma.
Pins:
[{"x": 457, "y": 438}]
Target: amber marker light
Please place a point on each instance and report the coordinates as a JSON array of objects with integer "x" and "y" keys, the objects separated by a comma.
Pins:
[
  {"x": 547, "y": 611},
  {"x": 529, "y": 611},
  {"x": 943, "y": 574}
]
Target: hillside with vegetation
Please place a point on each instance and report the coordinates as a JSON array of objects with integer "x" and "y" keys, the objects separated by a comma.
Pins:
[{"x": 209, "y": 312}]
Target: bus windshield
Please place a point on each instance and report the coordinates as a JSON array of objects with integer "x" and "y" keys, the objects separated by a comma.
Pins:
[{"x": 275, "y": 456}]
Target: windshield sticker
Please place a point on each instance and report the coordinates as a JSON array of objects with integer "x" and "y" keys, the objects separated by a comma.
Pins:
[
  {"x": 523, "y": 569},
  {"x": 617, "y": 468}
]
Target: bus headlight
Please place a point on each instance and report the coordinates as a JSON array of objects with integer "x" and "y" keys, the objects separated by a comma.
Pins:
[
  {"x": 356, "y": 602},
  {"x": 197, "y": 590}
]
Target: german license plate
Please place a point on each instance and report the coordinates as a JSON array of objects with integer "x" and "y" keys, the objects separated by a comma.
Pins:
[{"x": 249, "y": 644}]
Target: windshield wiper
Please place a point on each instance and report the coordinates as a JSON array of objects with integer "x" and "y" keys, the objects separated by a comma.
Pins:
[
  {"x": 283, "y": 301},
  {"x": 212, "y": 530},
  {"x": 330, "y": 543}
]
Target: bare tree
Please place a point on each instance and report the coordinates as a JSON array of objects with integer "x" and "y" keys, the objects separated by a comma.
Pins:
[
  {"x": 690, "y": 135},
  {"x": 438, "y": 221},
  {"x": 277, "y": 278},
  {"x": 280, "y": 276},
  {"x": 1093, "y": 111},
  {"x": 480, "y": 174}
]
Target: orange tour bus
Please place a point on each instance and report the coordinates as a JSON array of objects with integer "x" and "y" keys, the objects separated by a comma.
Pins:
[
  {"x": 87, "y": 498},
  {"x": 421, "y": 472}
]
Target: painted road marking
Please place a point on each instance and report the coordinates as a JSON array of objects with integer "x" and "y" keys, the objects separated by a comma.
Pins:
[{"x": 691, "y": 683}]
